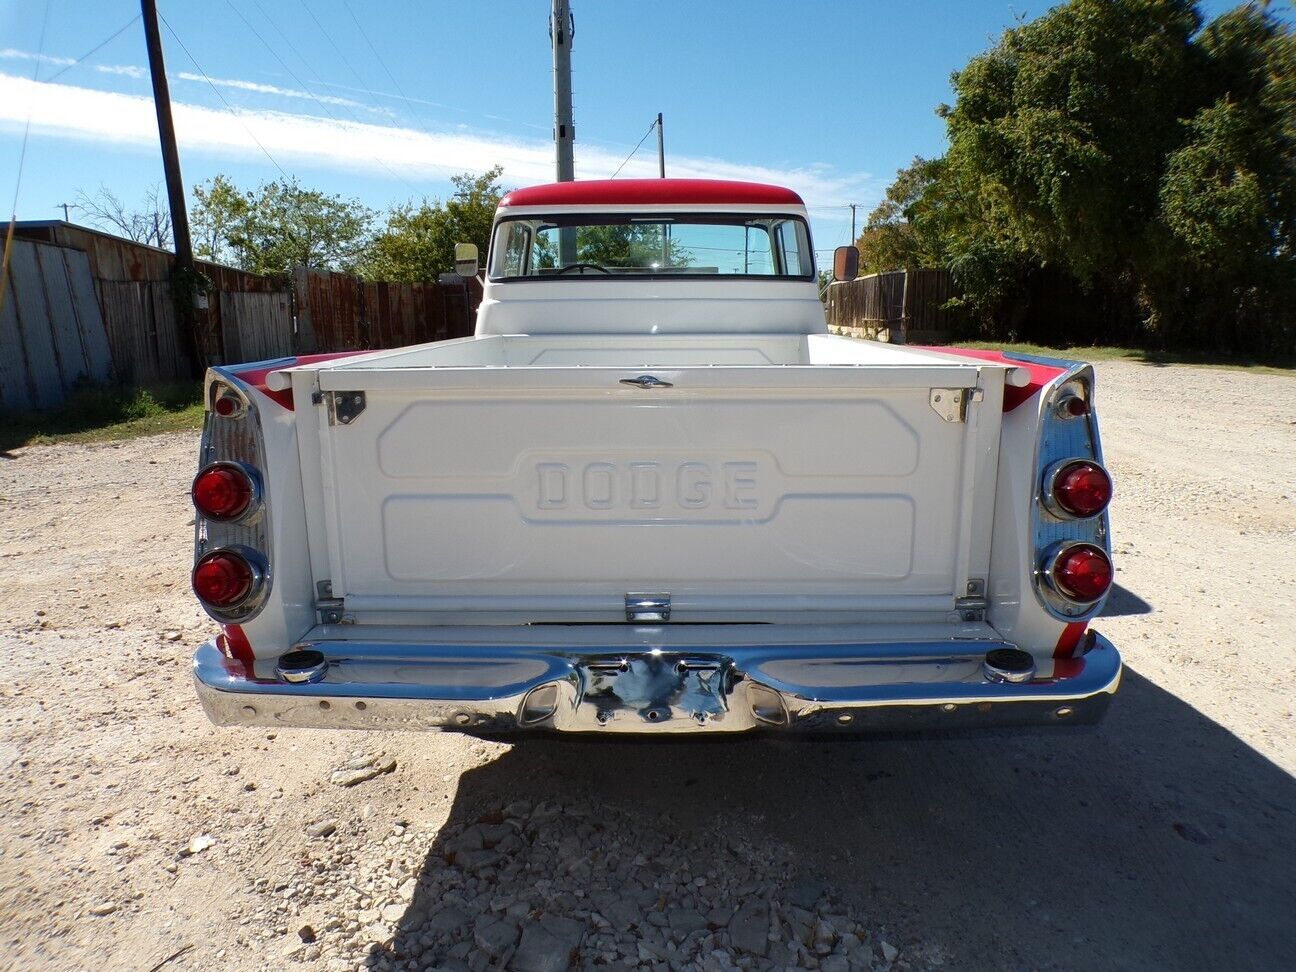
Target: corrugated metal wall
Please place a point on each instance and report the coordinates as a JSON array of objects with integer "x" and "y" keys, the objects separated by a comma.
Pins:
[{"x": 52, "y": 335}]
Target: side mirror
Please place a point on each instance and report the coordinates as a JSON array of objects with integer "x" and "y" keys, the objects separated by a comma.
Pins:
[
  {"x": 845, "y": 263},
  {"x": 466, "y": 263}
]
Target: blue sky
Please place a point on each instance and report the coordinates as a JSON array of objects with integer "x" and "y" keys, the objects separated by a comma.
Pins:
[{"x": 829, "y": 98}]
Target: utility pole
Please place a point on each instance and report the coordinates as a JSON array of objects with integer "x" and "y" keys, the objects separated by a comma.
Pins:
[
  {"x": 65, "y": 207},
  {"x": 183, "y": 279},
  {"x": 661, "y": 149},
  {"x": 166, "y": 133},
  {"x": 852, "y": 206},
  {"x": 661, "y": 174},
  {"x": 562, "y": 27}
]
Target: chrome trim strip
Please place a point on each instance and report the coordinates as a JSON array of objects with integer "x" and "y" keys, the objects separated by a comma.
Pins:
[
  {"x": 1067, "y": 364},
  {"x": 477, "y": 688}
]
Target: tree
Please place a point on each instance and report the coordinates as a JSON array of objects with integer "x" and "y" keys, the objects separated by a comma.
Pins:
[
  {"x": 1135, "y": 159},
  {"x": 418, "y": 241},
  {"x": 900, "y": 234},
  {"x": 150, "y": 224},
  {"x": 219, "y": 207},
  {"x": 279, "y": 226}
]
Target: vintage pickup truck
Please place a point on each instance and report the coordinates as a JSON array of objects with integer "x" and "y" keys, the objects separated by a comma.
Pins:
[{"x": 653, "y": 495}]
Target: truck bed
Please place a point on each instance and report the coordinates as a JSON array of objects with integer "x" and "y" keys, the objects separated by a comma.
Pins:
[{"x": 756, "y": 478}]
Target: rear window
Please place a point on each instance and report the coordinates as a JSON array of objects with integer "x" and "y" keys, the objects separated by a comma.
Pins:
[{"x": 690, "y": 245}]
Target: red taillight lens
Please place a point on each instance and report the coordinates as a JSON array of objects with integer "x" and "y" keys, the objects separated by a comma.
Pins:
[
  {"x": 1082, "y": 488},
  {"x": 223, "y": 579},
  {"x": 223, "y": 491},
  {"x": 1082, "y": 572}
]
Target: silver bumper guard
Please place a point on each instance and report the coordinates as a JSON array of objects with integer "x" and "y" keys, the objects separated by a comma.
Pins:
[{"x": 492, "y": 689}]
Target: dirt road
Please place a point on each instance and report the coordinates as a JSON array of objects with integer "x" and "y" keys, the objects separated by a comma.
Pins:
[{"x": 133, "y": 835}]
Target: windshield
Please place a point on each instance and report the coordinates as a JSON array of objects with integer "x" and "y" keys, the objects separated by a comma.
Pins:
[{"x": 688, "y": 245}]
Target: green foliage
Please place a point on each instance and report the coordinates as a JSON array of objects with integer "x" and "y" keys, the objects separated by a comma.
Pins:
[
  {"x": 94, "y": 414},
  {"x": 1121, "y": 152},
  {"x": 278, "y": 226},
  {"x": 418, "y": 241},
  {"x": 903, "y": 232},
  {"x": 617, "y": 246}
]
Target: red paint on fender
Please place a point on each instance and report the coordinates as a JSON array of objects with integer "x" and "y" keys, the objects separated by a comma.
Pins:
[
  {"x": 1069, "y": 639},
  {"x": 1040, "y": 374},
  {"x": 651, "y": 192},
  {"x": 234, "y": 645},
  {"x": 256, "y": 375}
]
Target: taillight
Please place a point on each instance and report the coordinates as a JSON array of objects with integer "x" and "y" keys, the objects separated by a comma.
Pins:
[
  {"x": 225, "y": 491},
  {"x": 1077, "y": 488},
  {"x": 228, "y": 405},
  {"x": 1081, "y": 572},
  {"x": 225, "y": 579}
]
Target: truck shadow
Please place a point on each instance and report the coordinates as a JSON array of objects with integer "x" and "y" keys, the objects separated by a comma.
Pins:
[
  {"x": 1123, "y": 602},
  {"x": 1156, "y": 840}
]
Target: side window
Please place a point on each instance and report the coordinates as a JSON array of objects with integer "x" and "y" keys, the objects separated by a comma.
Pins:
[
  {"x": 515, "y": 249},
  {"x": 790, "y": 249}
]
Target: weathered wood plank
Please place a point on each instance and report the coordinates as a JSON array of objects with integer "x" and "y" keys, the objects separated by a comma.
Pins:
[{"x": 90, "y": 324}]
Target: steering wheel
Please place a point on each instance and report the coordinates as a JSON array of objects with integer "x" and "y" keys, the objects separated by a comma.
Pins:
[{"x": 584, "y": 266}]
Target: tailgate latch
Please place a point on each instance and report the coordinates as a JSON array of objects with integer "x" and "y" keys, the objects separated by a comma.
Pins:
[{"x": 646, "y": 608}]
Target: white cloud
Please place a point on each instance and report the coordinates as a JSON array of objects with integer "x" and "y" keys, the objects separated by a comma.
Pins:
[
  {"x": 128, "y": 70},
  {"x": 272, "y": 89},
  {"x": 85, "y": 114}
]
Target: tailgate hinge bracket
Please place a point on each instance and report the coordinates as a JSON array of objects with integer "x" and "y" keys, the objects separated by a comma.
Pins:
[
  {"x": 950, "y": 403},
  {"x": 344, "y": 407},
  {"x": 330, "y": 608},
  {"x": 972, "y": 606},
  {"x": 647, "y": 608}
]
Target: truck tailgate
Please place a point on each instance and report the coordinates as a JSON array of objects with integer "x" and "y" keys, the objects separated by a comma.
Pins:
[{"x": 743, "y": 493}]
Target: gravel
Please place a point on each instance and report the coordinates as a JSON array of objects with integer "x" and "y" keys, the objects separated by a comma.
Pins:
[{"x": 1162, "y": 839}]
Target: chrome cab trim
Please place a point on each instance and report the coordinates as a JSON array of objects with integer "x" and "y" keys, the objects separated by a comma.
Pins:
[{"x": 786, "y": 687}]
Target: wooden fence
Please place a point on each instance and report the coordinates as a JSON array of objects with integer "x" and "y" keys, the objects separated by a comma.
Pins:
[
  {"x": 83, "y": 305},
  {"x": 902, "y": 307},
  {"x": 339, "y": 312}
]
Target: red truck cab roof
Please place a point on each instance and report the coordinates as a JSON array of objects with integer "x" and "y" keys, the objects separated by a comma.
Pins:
[{"x": 652, "y": 192}]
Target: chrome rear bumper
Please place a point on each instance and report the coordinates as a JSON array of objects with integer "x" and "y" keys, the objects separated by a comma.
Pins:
[{"x": 815, "y": 687}]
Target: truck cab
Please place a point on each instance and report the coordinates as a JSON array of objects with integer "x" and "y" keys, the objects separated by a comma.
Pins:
[
  {"x": 651, "y": 257},
  {"x": 652, "y": 494}
]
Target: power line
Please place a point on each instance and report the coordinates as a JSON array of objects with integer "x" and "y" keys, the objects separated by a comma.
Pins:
[
  {"x": 302, "y": 84},
  {"x": 94, "y": 50},
  {"x": 22, "y": 159},
  {"x": 651, "y": 127},
  {"x": 391, "y": 77},
  {"x": 232, "y": 111},
  {"x": 22, "y": 153},
  {"x": 328, "y": 37}
]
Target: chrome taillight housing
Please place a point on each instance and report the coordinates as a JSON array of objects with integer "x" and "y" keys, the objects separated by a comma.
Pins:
[
  {"x": 1069, "y": 518},
  {"x": 227, "y": 491},
  {"x": 1080, "y": 572},
  {"x": 230, "y": 581},
  {"x": 232, "y": 551},
  {"x": 1076, "y": 489}
]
